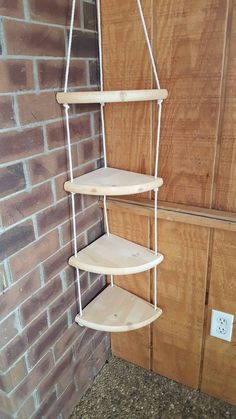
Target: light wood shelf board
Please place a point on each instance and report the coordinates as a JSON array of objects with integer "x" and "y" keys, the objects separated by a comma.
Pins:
[
  {"x": 113, "y": 255},
  {"x": 117, "y": 310},
  {"x": 113, "y": 182},
  {"x": 112, "y": 96}
]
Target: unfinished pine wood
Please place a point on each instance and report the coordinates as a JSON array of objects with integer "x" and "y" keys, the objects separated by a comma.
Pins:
[
  {"x": 117, "y": 310},
  {"x": 177, "y": 339},
  {"x": 219, "y": 367},
  {"x": 109, "y": 181},
  {"x": 113, "y": 255},
  {"x": 112, "y": 96}
]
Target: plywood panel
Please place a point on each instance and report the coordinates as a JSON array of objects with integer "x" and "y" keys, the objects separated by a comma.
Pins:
[
  {"x": 219, "y": 368},
  {"x": 225, "y": 198},
  {"x": 128, "y": 126},
  {"x": 177, "y": 336},
  {"x": 134, "y": 228},
  {"x": 190, "y": 60}
]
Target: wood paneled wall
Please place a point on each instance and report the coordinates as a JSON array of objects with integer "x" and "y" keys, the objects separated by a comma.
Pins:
[{"x": 194, "y": 44}]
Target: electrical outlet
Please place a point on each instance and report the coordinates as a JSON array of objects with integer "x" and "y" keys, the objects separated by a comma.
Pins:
[{"x": 222, "y": 325}]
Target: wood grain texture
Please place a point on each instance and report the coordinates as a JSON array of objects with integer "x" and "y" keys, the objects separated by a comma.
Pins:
[
  {"x": 117, "y": 310},
  {"x": 225, "y": 194},
  {"x": 177, "y": 337},
  {"x": 113, "y": 255},
  {"x": 219, "y": 367},
  {"x": 110, "y": 181},
  {"x": 190, "y": 61},
  {"x": 125, "y": 65}
]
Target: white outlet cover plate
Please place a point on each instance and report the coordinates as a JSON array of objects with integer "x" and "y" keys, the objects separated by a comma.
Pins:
[{"x": 222, "y": 325}]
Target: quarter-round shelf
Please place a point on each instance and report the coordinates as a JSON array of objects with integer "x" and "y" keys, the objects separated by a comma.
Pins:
[
  {"x": 117, "y": 310},
  {"x": 112, "y": 96},
  {"x": 113, "y": 182},
  {"x": 113, "y": 255}
]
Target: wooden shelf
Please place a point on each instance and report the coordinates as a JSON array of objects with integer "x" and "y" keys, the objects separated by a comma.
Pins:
[
  {"x": 113, "y": 255},
  {"x": 117, "y": 310},
  {"x": 113, "y": 182},
  {"x": 112, "y": 96}
]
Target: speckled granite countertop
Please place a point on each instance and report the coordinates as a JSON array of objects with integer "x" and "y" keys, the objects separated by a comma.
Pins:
[{"x": 125, "y": 391}]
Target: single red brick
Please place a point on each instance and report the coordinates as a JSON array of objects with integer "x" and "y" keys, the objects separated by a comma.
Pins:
[
  {"x": 26, "y": 409},
  {"x": 57, "y": 262},
  {"x": 37, "y": 327},
  {"x": 84, "y": 44},
  {"x": 55, "y": 375},
  {"x": 49, "y": 165},
  {"x": 94, "y": 290},
  {"x": 8, "y": 329},
  {"x": 80, "y": 128},
  {"x": 13, "y": 351},
  {"x": 12, "y": 179},
  {"x": 84, "y": 220},
  {"x": 7, "y": 118},
  {"x": 40, "y": 300},
  {"x": 52, "y": 72},
  {"x": 30, "y": 39},
  {"x": 83, "y": 341},
  {"x": 55, "y": 11},
  {"x": 26, "y": 204},
  {"x": 13, "y": 376},
  {"x": 89, "y": 150},
  {"x": 12, "y": 8},
  {"x": 90, "y": 16},
  {"x": 19, "y": 292},
  {"x": 38, "y": 107},
  {"x": 16, "y": 238},
  {"x": 34, "y": 254},
  {"x": 67, "y": 339},
  {"x": 62, "y": 303},
  {"x": 16, "y": 75},
  {"x": 53, "y": 216},
  {"x": 34, "y": 378},
  {"x": 95, "y": 231},
  {"x": 67, "y": 398},
  {"x": 47, "y": 340},
  {"x": 93, "y": 73},
  {"x": 16, "y": 145},
  {"x": 97, "y": 123},
  {"x": 70, "y": 276},
  {"x": 45, "y": 406}
]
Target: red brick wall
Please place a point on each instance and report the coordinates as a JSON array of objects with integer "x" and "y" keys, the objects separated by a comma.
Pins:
[{"x": 46, "y": 361}]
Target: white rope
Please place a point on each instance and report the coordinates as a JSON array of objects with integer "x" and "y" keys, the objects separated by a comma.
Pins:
[
  {"x": 101, "y": 79},
  {"x": 66, "y": 107},
  {"x": 155, "y": 248},
  {"x": 148, "y": 44},
  {"x": 105, "y": 215},
  {"x": 69, "y": 46},
  {"x": 159, "y": 106}
]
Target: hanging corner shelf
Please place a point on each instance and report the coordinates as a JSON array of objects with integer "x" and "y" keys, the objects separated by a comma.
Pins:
[
  {"x": 114, "y": 309},
  {"x": 117, "y": 310},
  {"x": 113, "y": 182}
]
